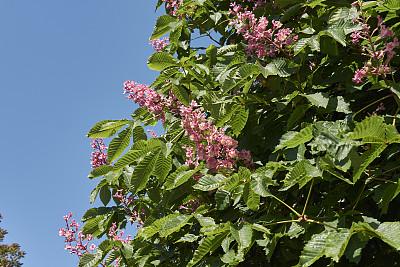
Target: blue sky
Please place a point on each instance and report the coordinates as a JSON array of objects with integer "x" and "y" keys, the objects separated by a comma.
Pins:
[{"x": 62, "y": 68}]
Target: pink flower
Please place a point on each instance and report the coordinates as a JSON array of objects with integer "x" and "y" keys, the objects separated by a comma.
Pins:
[
  {"x": 385, "y": 32},
  {"x": 99, "y": 157},
  {"x": 159, "y": 44}
]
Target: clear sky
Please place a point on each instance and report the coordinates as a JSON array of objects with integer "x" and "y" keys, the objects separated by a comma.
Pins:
[{"x": 62, "y": 68}]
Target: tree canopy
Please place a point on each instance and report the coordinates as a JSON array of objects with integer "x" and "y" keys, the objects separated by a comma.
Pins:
[{"x": 281, "y": 141}]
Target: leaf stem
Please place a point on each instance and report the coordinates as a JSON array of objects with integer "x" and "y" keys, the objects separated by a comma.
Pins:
[
  {"x": 295, "y": 212},
  {"x": 324, "y": 224},
  {"x": 308, "y": 197},
  {"x": 373, "y": 103},
  {"x": 359, "y": 196}
]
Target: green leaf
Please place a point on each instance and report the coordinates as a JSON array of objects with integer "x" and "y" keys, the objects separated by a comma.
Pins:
[
  {"x": 222, "y": 199},
  {"x": 337, "y": 34},
  {"x": 290, "y": 12},
  {"x": 313, "y": 42},
  {"x": 388, "y": 232},
  {"x": 181, "y": 94},
  {"x": 162, "y": 60},
  {"x": 204, "y": 221},
  {"x": 143, "y": 171},
  {"x": 119, "y": 144},
  {"x": 301, "y": 173},
  {"x": 163, "y": 167},
  {"x": 90, "y": 259},
  {"x": 243, "y": 235},
  {"x": 209, "y": 244},
  {"x": 294, "y": 139},
  {"x": 354, "y": 248},
  {"x": 105, "y": 195},
  {"x": 112, "y": 257},
  {"x": 100, "y": 171},
  {"x": 260, "y": 183},
  {"x": 227, "y": 49},
  {"x": 138, "y": 133},
  {"x": 165, "y": 226},
  {"x": 367, "y": 158},
  {"x": 162, "y": 26},
  {"x": 240, "y": 76},
  {"x": 325, "y": 101},
  {"x": 251, "y": 199},
  {"x": 209, "y": 182},
  {"x": 129, "y": 158},
  {"x": 373, "y": 129},
  {"x": 297, "y": 115},
  {"x": 327, "y": 243},
  {"x": 107, "y": 128},
  {"x": 180, "y": 176},
  {"x": 239, "y": 119},
  {"x": 172, "y": 223},
  {"x": 280, "y": 66}
]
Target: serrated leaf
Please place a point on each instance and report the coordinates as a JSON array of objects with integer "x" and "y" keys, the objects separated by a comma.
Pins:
[
  {"x": 388, "y": 232},
  {"x": 162, "y": 60},
  {"x": 165, "y": 226},
  {"x": 163, "y": 167},
  {"x": 162, "y": 26},
  {"x": 242, "y": 234},
  {"x": 209, "y": 244},
  {"x": 301, "y": 173},
  {"x": 226, "y": 49},
  {"x": 280, "y": 66},
  {"x": 90, "y": 259},
  {"x": 330, "y": 244},
  {"x": 337, "y": 34},
  {"x": 295, "y": 138},
  {"x": 100, "y": 171},
  {"x": 112, "y": 257},
  {"x": 239, "y": 119},
  {"x": 107, "y": 128},
  {"x": 222, "y": 199},
  {"x": 260, "y": 183},
  {"x": 180, "y": 176},
  {"x": 172, "y": 223},
  {"x": 142, "y": 172},
  {"x": 209, "y": 182},
  {"x": 313, "y": 42},
  {"x": 367, "y": 158},
  {"x": 297, "y": 114},
  {"x": 373, "y": 129},
  {"x": 204, "y": 221},
  {"x": 129, "y": 158},
  {"x": 251, "y": 199},
  {"x": 240, "y": 76},
  {"x": 138, "y": 133},
  {"x": 181, "y": 94},
  {"x": 119, "y": 144},
  {"x": 105, "y": 195}
]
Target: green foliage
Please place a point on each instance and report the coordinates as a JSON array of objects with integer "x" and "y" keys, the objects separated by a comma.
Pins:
[{"x": 323, "y": 185}]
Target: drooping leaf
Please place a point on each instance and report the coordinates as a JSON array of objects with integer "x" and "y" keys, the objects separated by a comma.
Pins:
[
  {"x": 239, "y": 119},
  {"x": 138, "y": 133},
  {"x": 180, "y": 176},
  {"x": 119, "y": 144},
  {"x": 163, "y": 167},
  {"x": 209, "y": 244},
  {"x": 243, "y": 235},
  {"x": 251, "y": 198},
  {"x": 209, "y": 182},
  {"x": 143, "y": 171},
  {"x": 162, "y": 26},
  {"x": 107, "y": 128},
  {"x": 222, "y": 199},
  {"x": 162, "y": 60},
  {"x": 100, "y": 171},
  {"x": 301, "y": 173}
]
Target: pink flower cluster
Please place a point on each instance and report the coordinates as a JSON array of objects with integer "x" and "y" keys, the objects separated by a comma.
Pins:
[
  {"x": 72, "y": 235},
  {"x": 148, "y": 98},
  {"x": 173, "y": 6},
  {"x": 379, "y": 51},
  {"x": 218, "y": 150},
  {"x": 117, "y": 236},
  {"x": 159, "y": 44},
  {"x": 98, "y": 157},
  {"x": 261, "y": 41},
  {"x": 126, "y": 201}
]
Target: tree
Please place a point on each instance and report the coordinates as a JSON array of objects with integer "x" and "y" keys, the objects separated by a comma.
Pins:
[
  {"x": 9, "y": 254},
  {"x": 281, "y": 142}
]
